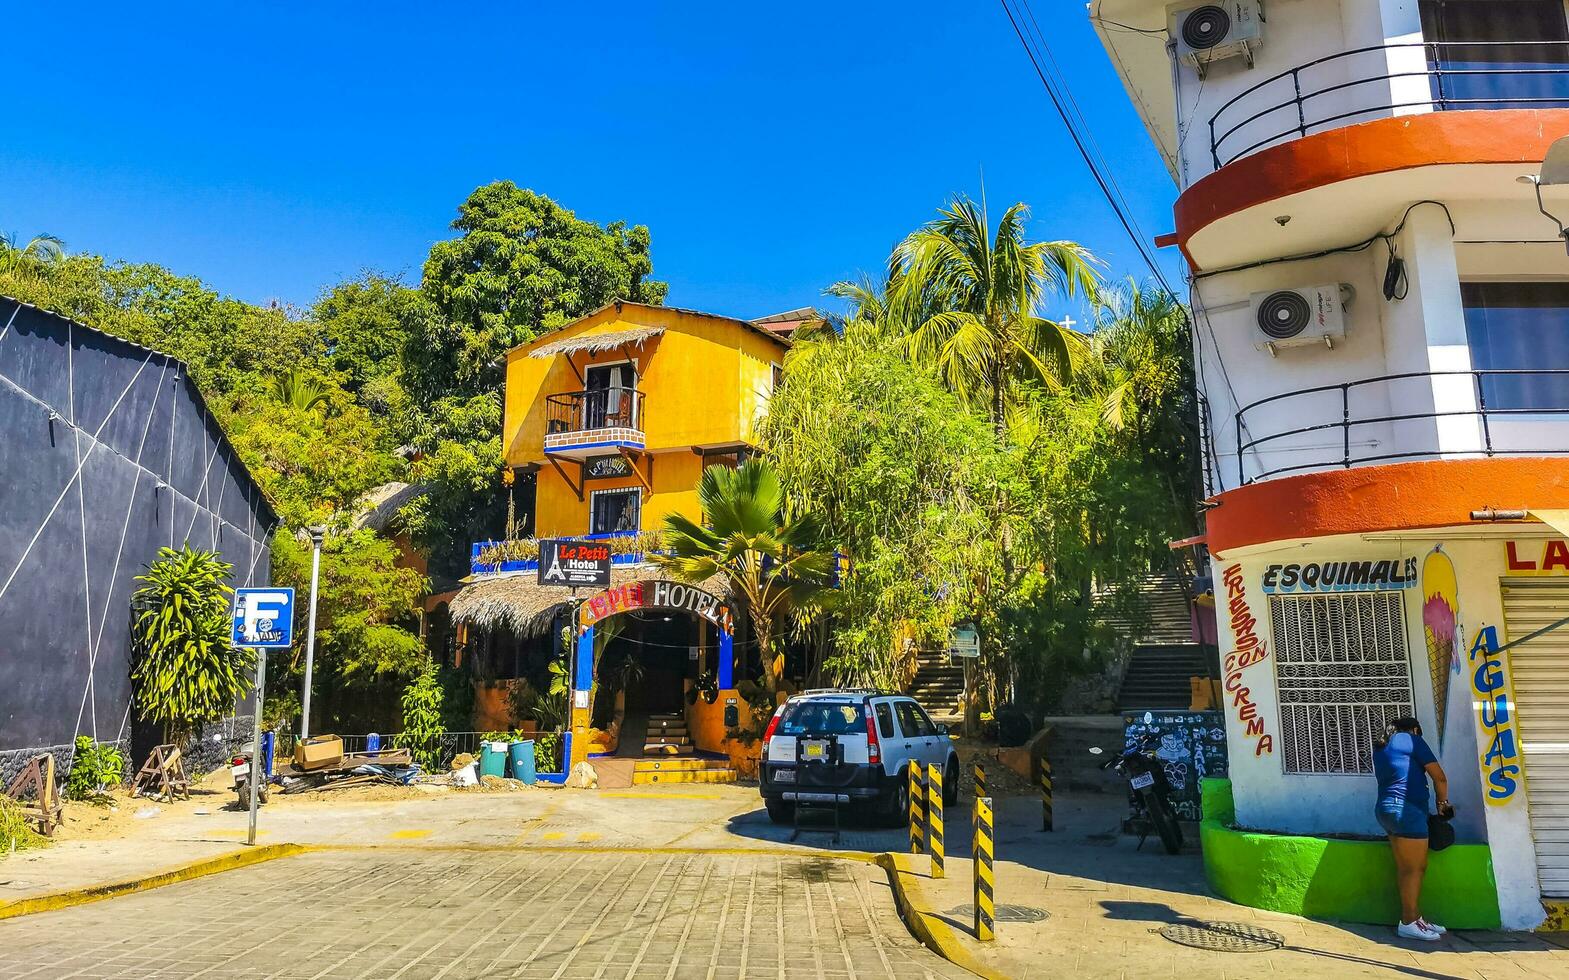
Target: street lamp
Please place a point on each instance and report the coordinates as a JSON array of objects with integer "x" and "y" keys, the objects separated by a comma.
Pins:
[
  {"x": 317, "y": 533},
  {"x": 1555, "y": 173}
]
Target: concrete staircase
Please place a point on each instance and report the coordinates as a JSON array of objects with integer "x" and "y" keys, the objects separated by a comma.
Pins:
[
  {"x": 671, "y": 757},
  {"x": 648, "y": 771},
  {"x": 667, "y": 736},
  {"x": 1158, "y": 676},
  {"x": 938, "y": 684},
  {"x": 1074, "y": 768}
]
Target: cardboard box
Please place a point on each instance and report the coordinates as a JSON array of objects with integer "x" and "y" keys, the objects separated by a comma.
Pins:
[{"x": 318, "y": 752}]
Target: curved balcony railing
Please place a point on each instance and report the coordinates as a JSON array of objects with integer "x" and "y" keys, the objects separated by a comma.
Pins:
[
  {"x": 1386, "y": 80},
  {"x": 586, "y": 411},
  {"x": 1353, "y": 411}
]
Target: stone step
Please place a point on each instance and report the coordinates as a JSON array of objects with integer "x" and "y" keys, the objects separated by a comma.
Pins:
[
  {"x": 684, "y": 776},
  {"x": 667, "y": 748},
  {"x": 679, "y": 765},
  {"x": 671, "y": 732}
]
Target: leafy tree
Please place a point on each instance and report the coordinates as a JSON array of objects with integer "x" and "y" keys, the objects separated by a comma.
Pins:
[
  {"x": 299, "y": 392},
  {"x": 30, "y": 261},
  {"x": 522, "y": 265},
  {"x": 366, "y": 617},
  {"x": 898, "y": 471},
  {"x": 768, "y": 557},
  {"x": 185, "y": 673},
  {"x": 366, "y": 323},
  {"x": 970, "y": 304}
]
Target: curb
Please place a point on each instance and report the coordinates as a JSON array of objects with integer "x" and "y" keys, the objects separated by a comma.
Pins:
[
  {"x": 196, "y": 869},
  {"x": 934, "y": 933}
]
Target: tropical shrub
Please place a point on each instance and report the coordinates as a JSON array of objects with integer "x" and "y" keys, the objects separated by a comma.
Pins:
[
  {"x": 94, "y": 766},
  {"x": 185, "y": 673},
  {"x": 422, "y": 727},
  {"x": 547, "y": 752},
  {"x": 16, "y": 834}
]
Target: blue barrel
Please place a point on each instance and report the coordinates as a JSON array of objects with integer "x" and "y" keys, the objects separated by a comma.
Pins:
[
  {"x": 373, "y": 742},
  {"x": 267, "y": 746},
  {"x": 522, "y": 754},
  {"x": 493, "y": 759}
]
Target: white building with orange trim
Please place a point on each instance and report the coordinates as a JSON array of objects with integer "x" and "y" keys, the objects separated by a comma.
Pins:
[{"x": 1381, "y": 320}]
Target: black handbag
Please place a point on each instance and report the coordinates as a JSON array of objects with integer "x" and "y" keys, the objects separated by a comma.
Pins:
[{"x": 1440, "y": 833}]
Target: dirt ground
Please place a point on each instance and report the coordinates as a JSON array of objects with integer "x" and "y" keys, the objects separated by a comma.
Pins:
[{"x": 1001, "y": 781}]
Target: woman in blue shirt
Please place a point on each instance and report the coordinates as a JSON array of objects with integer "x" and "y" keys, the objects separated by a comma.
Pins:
[{"x": 1402, "y": 763}]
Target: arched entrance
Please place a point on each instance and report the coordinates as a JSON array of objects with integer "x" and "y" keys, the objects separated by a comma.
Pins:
[{"x": 651, "y": 595}]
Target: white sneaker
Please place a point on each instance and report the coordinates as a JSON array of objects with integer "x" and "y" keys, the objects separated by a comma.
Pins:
[
  {"x": 1435, "y": 927},
  {"x": 1416, "y": 930}
]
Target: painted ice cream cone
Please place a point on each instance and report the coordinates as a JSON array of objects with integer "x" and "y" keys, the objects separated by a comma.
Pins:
[{"x": 1440, "y": 616}]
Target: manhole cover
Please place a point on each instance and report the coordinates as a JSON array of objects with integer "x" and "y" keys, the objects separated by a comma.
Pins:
[
  {"x": 1002, "y": 913},
  {"x": 1224, "y": 937}
]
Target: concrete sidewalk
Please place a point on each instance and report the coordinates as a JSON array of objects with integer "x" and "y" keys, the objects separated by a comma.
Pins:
[{"x": 1104, "y": 903}]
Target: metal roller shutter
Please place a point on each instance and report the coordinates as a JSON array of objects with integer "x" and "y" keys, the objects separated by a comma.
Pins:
[{"x": 1541, "y": 683}]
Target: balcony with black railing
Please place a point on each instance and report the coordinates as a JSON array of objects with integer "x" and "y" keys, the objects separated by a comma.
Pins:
[
  {"x": 1399, "y": 417},
  {"x": 1388, "y": 80},
  {"x": 604, "y": 420}
]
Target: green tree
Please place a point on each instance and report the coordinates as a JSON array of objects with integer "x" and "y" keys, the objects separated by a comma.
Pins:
[
  {"x": 769, "y": 558},
  {"x": 970, "y": 304},
  {"x": 365, "y": 323},
  {"x": 522, "y": 265},
  {"x": 299, "y": 392},
  {"x": 185, "y": 673},
  {"x": 32, "y": 260},
  {"x": 898, "y": 472}
]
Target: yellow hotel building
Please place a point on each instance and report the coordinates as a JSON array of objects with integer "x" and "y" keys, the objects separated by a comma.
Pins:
[{"x": 612, "y": 419}]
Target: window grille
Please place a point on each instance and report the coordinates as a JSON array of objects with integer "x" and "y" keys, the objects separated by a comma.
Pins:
[{"x": 1343, "y": 670}]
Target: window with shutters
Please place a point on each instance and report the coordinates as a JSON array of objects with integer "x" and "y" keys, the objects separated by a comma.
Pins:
[{"x": 1343, "y": 670}]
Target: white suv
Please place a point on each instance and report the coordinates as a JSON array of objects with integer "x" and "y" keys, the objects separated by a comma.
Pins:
[{"x": 856, "y": 746}]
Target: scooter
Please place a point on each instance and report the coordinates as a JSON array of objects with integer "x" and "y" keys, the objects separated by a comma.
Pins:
[
  {"x": 240, "y": 767},
  {"x": 1138, "y": 764}
]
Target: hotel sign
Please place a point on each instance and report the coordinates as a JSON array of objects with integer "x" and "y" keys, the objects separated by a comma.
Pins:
[
  {"x": 607, "y": 467},
  {"x": 574, "y": 563},
  {"x": 657, "y": 595}
]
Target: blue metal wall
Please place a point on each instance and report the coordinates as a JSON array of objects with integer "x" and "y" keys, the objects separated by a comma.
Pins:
[{"x": 107, "y": 453}]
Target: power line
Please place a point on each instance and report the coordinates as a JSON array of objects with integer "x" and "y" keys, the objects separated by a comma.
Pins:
[{"x": 1104, "y": 181}]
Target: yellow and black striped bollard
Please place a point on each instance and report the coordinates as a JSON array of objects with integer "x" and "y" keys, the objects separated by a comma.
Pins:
[
  {"x": 1046, "y": 814},
  {"x": 917, "y": 810},
  {"x": 980, "y": 784},
  {"x": 934, "y": 844},
  {"x": 985, "y": 877}
]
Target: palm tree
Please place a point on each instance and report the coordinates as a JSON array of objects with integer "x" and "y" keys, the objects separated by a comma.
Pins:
[
  {"x": 768, "y": 557},
  {"x": 969, "y": 303},
  {"x": 299, "y": 392},
  {"x": 30, "y": 260}
]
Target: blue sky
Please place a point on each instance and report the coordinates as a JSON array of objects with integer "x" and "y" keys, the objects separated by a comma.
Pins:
[{"x": 273, "y": 149}]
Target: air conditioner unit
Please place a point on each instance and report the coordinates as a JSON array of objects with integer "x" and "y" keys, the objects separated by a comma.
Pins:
[
  {"x": 1301, "y": 317},
  {"x": 1213, "y": 32}
]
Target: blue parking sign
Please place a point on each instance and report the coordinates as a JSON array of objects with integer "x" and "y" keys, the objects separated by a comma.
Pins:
[{"x": 263, "y": 617}]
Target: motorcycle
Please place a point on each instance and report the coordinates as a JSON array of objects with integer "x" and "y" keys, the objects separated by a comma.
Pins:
[
  {"x": 1151, "y": 794},
  {"x": 240, "y": 767}
]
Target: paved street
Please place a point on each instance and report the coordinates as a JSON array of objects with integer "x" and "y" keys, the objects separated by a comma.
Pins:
[{"x": 423, "y": 914}]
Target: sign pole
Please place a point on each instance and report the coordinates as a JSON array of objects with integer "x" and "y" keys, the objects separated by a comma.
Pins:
[
  {"x": 256, "y": 766},
  {"x": 310, "y": 633}
]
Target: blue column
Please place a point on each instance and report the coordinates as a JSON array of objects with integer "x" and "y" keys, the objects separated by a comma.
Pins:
[
  {"x": 726, "y": 661},
  {"x": 583, "y": 673}
]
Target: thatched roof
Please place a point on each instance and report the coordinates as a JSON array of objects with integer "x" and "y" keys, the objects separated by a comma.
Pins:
[
  {"x": 379, "y": 506},
  {"x": 517, "y": 602},
  {"x": 596, "y": 341}
]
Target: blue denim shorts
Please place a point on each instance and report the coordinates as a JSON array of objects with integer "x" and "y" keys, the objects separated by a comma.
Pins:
[{"x": 1399, "y": 820}]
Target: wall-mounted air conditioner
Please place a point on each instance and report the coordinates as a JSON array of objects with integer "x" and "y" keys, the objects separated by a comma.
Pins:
[
  {"x": 1301, "y": 317},
  {"x": 1212, "y": 32}
]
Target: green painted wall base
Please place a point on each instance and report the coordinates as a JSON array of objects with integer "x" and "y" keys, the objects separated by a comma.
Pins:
[{"x": 1351, "y": 881}]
